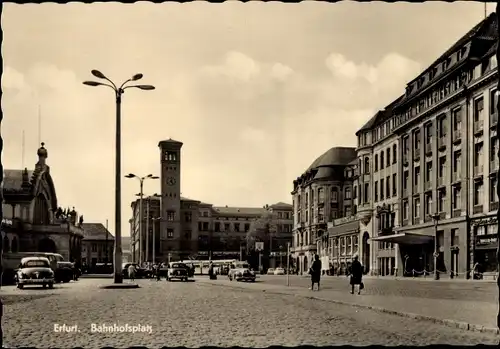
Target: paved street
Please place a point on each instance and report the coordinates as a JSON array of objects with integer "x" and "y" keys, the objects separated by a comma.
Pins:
[{"x": 199, "y": 313}]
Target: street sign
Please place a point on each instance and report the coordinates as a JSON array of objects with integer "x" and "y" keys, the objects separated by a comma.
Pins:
[{"x": 259, "y": 246}]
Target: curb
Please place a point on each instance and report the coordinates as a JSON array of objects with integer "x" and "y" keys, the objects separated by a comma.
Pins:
[
  {"x": 118, "y": 286},
  {"x": 448, "y": 322}
]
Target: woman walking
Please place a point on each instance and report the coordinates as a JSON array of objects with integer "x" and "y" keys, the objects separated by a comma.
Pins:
[
  {"x": 131, "y": 272},
  {"x": 356, "y": 273},
  {"x": 315, "y": 272}
]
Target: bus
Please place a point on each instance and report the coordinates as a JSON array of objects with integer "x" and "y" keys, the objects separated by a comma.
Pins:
[{"x": 201, "y": 266}]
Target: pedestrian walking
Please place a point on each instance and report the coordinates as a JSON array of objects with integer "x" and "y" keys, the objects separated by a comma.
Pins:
[
  {"x": 356, "y": 274},
  {"x": 131, "y": 272},
  {"x": 158, "y": 272},
  {"x": 315, "y": 272}
]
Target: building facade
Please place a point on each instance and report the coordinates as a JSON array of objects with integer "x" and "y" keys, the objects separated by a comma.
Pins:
[
  {"x": 321, "y": 194},
  {"x": 181, "y": 228},
  {"x": 97, "y": 244},
  {"x": 32, "y": 220},
  {"x": 438, "y": 212}
]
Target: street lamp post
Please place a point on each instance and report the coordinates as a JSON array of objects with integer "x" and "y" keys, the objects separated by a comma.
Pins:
[
  {"x": 154, "y": 219},
  {"x": 117, "y": 253},
  {"x": 141, "y": 197},
  {"x": 435, "y": 217}
]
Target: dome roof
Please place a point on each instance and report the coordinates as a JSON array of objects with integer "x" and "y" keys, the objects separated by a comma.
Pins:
[
  {"x": 42, "y": 152},
  {"x": 336, "y": 156}
]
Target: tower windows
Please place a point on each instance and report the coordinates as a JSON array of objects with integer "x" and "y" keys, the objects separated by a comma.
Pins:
[{"x": 170, "y": 156}]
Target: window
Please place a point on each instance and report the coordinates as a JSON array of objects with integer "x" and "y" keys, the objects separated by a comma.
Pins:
[
  {"x": 376, "y": 163},
  {"x": 354, "y": 192},
  {"x": 442, "y": 126},
  {"x": 94, "y": 247},
  {"x": 493, "y": 101},
  {"x": 376, "y": 191},
  {"x": 367, "y": 165},
  {"x": 457, "y": 119},
  {"x": 416, "y": 177},
  {"x": 442, "y": 167},
  {"x": 388, "y": 151},
  {"x": 348, "y": 211},
  {"x": 478, "y": 154},
  {"x": 217, "y": 226},
  {"x": 170, "y": 156},
  {"x": 456, "y": 204},
  {"x": 416, "y": 139},
  {"x": 366, "y": 193},
  {"x": 394, "y": 184},
  {"x": 416, "y": 207},
  {"x": 307, "y": 200},
  {"x": 382, "y": 189},
  {"x": 405, "y": 210},
  {"x": 237, "y": 227},
  {"x": 388, "y": 187},
  {"x": 394, "y": 154},
  {"x": 493, "y": 149},
  {"x": 347, "y": 193},
  {"x": 170, "y": 216},
  {"x": 457, "y": 163},
  {"x": 406, "y": 147},
  {"x": 312, "y": 196},
  {"x": 428, "y": 204},
  {"x": 428, "y": 171},
  {"x": 405, "y": 180},
  {"x": 188, "y": 216},
  {"x": 478, "y": 193},
  {"x": 321, "y": 215},
  {"x": 227, "y": 226},
  {"x": 382, "y": 160},
  {"x": 428, "y": 133},
  {"x": 321, "y": 195},
  {"x": 187, "y": 235},
  {"x": 335, "y": 194},
  {"x": 170, "y": 233},
  {"x": 493, "y": 189},
  {"x": 478, "y": 109},
  {"x": 441, "y": 200},
  {"x": 307, "y": 216}
]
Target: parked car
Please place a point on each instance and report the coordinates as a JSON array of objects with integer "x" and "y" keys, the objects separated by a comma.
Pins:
[
  {"x": 244, "y": 274},
  {"x": 34, "y": 271},
  {"x": 279, "y": 271},
  {"x": 270, "y": 271},
  {"x": 178, "y": 271},
  {"x": 65, "y": 272}
]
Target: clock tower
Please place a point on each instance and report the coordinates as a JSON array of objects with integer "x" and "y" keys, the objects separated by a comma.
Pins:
[{"x": 170, "y": 227}]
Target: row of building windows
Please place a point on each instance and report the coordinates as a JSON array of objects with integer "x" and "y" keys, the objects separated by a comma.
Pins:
[
  {"x": 387, "y": 158},
  {"x": 385, "y": 188},
  {"x": 334, "y": 197}
]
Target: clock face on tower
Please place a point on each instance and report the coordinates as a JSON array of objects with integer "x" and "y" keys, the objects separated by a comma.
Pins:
[{"x": 171, "y": 181}]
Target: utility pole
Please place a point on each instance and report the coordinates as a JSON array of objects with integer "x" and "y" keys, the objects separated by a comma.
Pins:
[
  {"x": 107, "y": 242},
  {"x": 147, "y": 229},
  {"x": 288, "y": 265}
]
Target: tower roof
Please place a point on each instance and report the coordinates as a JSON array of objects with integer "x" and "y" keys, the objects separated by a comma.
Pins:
[{"x": 170, "y": 142}]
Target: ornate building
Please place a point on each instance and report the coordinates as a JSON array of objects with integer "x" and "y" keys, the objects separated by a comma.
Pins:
[
  {"x": 433, "y": 198},
  {"x": 321, "y": 194},
  {"x": 31, "y": 220}
]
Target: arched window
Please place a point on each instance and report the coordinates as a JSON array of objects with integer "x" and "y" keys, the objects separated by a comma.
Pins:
[
  {"x": 376, "y": 163},
  {"x": 335, "y": 194}
]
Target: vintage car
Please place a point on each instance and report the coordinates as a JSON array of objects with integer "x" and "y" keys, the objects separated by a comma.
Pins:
[
  {"x": 34, "y": 271},
  {"x": 65, "y": 272},
  {"x": 244, "y": 274},
  {"x": 178, "y": 270},
  {"x": 235, "y": 267}
]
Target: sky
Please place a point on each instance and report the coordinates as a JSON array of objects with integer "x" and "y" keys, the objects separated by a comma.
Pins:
[{"x": 255, "y": 91}]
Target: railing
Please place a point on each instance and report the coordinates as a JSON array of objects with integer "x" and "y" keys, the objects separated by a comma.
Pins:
[
  {"x": 478, "y": 209},
  {"x": 457, "y": 135},
  {"x": 478, "y": 126},
  {"x": 457, "y": 212},
  {"x": 478, "y": 170},
  {"x": 494, "y": 206}
]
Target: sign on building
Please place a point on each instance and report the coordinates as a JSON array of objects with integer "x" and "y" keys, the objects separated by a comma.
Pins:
[{"x": 259, "y": 246}]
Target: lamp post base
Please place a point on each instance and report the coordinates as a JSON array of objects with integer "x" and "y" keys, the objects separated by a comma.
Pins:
[{"x": 118, "y": 278}]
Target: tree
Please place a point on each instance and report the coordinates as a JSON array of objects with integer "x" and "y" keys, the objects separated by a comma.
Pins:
[{"x": 261, "y": 230}]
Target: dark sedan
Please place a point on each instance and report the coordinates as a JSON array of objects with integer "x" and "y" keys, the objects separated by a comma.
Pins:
[{"x": 34, "y": 271}]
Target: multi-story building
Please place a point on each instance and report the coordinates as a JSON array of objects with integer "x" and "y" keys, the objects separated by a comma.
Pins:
[
  {"x": 321, "y": 194},
  {"x": 428, "y": 166},
  {"x": 184, "y": 228},
  {"x": 97, "y": 244}
]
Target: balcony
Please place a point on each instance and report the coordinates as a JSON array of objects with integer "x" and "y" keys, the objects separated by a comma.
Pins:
[
  {"x": 457, "y": 136},
  {"x": 478, "y": 126},
  {"x": 456, "y": 177},
  {"x": 456, "y": 212},
  {"x": 493, "y": 120},
  {"x": 441, "y": 181},
  {"x": 428, "y": 149},
  {"x": 428, "y": 185},
  {"x": 478, "y": 170},
  {"x": 442, "y": 143},
  {"x": 321, "y": 203},
  {"x": 416, "y": 154},
  {"x": 405, "y": 159}
]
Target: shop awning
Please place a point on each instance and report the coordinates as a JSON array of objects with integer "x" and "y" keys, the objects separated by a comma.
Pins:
[{"x": 405, "y": 238}]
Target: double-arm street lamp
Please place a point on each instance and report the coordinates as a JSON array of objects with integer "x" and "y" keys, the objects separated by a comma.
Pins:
[
  {"x": 117, "y": 254},
  {"x": 141, "y": 195}
]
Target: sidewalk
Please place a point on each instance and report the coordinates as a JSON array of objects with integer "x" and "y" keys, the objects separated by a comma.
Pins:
[{"x": 468, "y": 315}]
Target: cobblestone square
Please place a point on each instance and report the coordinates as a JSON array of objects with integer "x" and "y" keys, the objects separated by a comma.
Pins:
[{"x": 197, "y": 314}]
